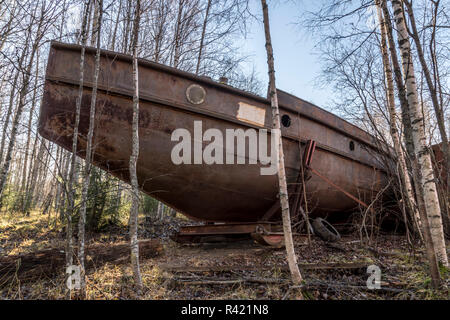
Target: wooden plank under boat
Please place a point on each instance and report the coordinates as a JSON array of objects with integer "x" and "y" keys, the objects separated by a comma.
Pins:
[{"x": 345, "y": 154}]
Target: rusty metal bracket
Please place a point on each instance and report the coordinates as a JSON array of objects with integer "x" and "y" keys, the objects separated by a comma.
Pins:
[
  {"x": 273, "y": 209},
  {"x": 305, "y": 164},
  {"x": 309, "y": 151},
  {"x": 305, "y": 172},
  {"x": 318, "y": 174}
]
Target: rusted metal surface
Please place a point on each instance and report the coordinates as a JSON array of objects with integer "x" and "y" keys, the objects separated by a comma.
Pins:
[
  {"x": 338, "y": 188},
  {"x": 304, "y": 175},
  {"x": 227, "y": 193},
  {"x": 309, "y": 152},
  {"x": 272, "y": 240},
  {"x": 265, "y": 233},
  {"x": 228, "y": 228},
  {"x": 221, "y": 232}
]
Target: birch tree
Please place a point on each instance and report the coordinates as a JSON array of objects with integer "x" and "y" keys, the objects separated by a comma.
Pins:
[
  {"x": 30, "y": 122},
  {"x": 202, "y": 38},
  {"x": 12, "y": 94},
  {"x": 390, "y": 95},
  {"x": 73, "y": 161},
  {"x": 22, "y": 96},
  {"x": 134, "y": 245},
  {"x": 419, "y": 139},
  {"x": 284, "y": 200},
  {"x": 439, "y": 112},
  {"x": 89, "y": 151},
  {"x": 113, "y": 35},
  {"x": 403, "y": 170},
  {"x": 406, "y": 120}
]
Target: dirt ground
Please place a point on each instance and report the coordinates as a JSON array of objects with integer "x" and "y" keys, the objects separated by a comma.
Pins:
[{"x": 238, "y": 270}]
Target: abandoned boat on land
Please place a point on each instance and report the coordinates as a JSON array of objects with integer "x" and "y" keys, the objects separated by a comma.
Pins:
[{"x": 349, "y": 160}]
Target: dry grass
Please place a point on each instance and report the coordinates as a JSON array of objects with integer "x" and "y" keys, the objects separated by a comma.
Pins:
[{"x": 405, "y": 269}]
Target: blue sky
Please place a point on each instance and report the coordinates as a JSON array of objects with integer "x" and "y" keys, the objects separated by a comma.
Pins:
[{"x": 296, "y": 65}]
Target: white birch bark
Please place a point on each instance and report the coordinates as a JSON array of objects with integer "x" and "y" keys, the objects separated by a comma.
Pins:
[
  {"x": 12, "y": 94},
  {"x": 284, "y": 200},
  {"x": 87, "y": 168},
  {"x": 21, "y": 104},
  {"x": 403, "y": 169},
  {"x": 73, "y": 173},
  {"x": 134, "y": 245},
  {"x": 95, "y": 22},
  {"x": 27, "y": 146},
  {"x": 419, "y": 138},
  {"x": 433, "y": 92}
]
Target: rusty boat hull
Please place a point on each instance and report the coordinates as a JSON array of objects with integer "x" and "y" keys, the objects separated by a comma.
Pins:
[{"x": 345, "y": 154}]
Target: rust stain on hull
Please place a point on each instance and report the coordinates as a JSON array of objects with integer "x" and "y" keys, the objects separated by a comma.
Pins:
[{"x": 227, "y": 193}]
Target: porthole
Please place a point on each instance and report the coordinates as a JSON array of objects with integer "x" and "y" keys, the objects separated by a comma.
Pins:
[
  {"x": 286, "y": 121},
  {"x": 351, "y": 146},
  {"x": 195, "y": 94}
]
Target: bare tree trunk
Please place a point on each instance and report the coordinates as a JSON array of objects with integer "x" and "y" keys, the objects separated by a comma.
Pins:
[
  {"x": 37, "y": 198},
  {"x": 419, "y": 139},
  {"x": 33, "y": 164},
  {"x": 409, "y": 197},
  {"x": 63, "y": 20},
  {"x": 95, "y": 22},
  {"x": 408, "y": 193},
  {"x": 284, "y": 200},
  {"x": 434, "y": 269},
  {"x": 202, "y": 39},
  {"x": 54, "y": 194},
  {"x": 9, "y": 24},
  {"x": 22, "y": 95},
  {"x": 30, "y": 122},
  {"x": 88, "y": 8},
  {"x": 158, "y": 211},
  {"x": 406, "y": 120},
  {"x": 8, "y": 117},
  {"x": 34, "y": 175},
  {"x": 56, "y": 177},
  {"x": 11, "y": 98},
  {"x": 73, "y": 163},
  {"x": 134, "y": 156},
  {"x": 125, "y": 45},
  {"x": 89, "y": 151},
  {"x": 436, "y": 101},
  {"x": 176, "y": 51},
  {"x": 426, "y": 71},
  {"x": 63, "y": 185},
  {"x": 119, "y": 194},
  {"x": 112, "y": 45},
  {"x": 2, "y": 86},
  {"x": 161, "y": 21}
]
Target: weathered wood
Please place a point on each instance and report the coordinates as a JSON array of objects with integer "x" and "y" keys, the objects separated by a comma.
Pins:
[
  {"x": 334, "y": 286},
  {"x": 330, "y": 285},
  {"x": 302, "y": 266},
  {"x": 228, "y": 281},
  {"x": 49, "y": 262}
]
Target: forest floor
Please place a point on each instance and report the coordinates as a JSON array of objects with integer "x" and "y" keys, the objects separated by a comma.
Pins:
[{"x": 239, "y": 270}]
